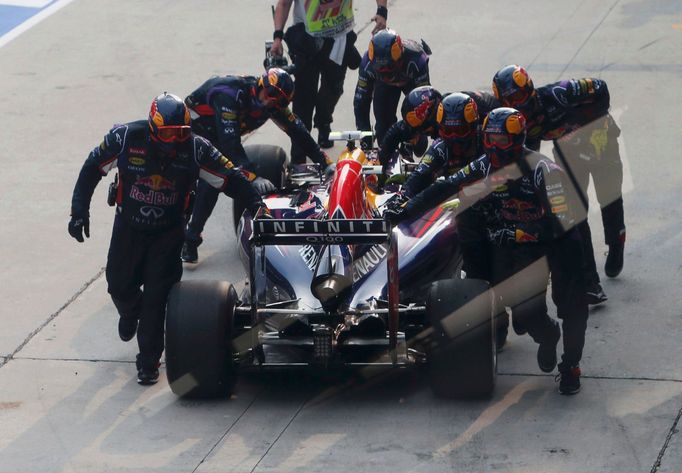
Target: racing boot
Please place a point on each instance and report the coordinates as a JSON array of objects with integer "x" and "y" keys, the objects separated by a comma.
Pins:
[
  {"x": 147, "y": 372},
  {"x": 547, "y": 348},
  {"x": 323, "y": 137},
  {"x": 614, "y": 260},
  {"x": 127, "y": 328},
  {"x": 190, "y": 254},
  {"x": 595, "y": 294},
  {"x": 129, "y": 314},
  {"x": 569, "y": 379}
]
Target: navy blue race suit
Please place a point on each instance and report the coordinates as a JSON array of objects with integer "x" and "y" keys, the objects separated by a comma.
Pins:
[
  {"x": 148, "y": 228},
  {"x": 384, "y": 90},
  {"x": 228, "y": 108},
  {"x": 525, "y": 216},
  {"x": 574, "y": 114}
]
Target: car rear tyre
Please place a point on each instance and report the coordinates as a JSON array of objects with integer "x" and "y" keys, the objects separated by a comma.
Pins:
[
  {"x": 199, "y": 326},
  {"x": 269, "y": 162},
  {"x": 462, "y": 359}
]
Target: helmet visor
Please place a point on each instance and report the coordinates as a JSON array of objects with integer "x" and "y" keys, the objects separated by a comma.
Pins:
[
  {"x": 517, "y": 98},
  {"x": 497, "y": 140},
  {"x": 172, "y": 134},
  {"x": 276, "y": 98},
  {"x": 461, "y": 130}
]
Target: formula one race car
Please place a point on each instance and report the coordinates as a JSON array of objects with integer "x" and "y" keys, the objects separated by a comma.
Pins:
[{"x": 331, "y": 284}]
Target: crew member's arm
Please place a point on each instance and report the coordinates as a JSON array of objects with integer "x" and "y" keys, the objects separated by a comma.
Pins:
[
  {"x": 98, "y": 163},
  {"x": 428, "y": 170},
  {"x": 397, "y": 133},
  {"x": 220, "y": 173},
  {"x": 556, "y": 197},
  {"x": 281, "y": 14},
  {"x": 288, "y": 122},
  {"x": 228, "y": 128},
  {"x": 381, "y": 16},
  {"x": 362, "y": 99},
  {"x": 441, "y": 191}
]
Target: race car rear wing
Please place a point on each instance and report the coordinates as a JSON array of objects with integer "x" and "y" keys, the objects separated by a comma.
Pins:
[
  {"x": 325, "y": 232},
  {"x": 308, "y": 231}
]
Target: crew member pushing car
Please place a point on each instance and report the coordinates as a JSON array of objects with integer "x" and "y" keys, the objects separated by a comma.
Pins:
[
  {"x": 522, "y": 204},
  {"x": 158, "y": 162},
  {"x": 229, "y": 107}
]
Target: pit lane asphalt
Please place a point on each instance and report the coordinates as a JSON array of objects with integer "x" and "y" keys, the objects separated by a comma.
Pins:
[{"x": 68, "y": 398}]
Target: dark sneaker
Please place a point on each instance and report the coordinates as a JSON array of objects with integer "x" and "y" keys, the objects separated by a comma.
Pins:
[
  {"x": 569, "y": 380},
  {"x": 147, "y": 373},
  {"x": 323, "y": 139},
  {"x": 127, "y": 327},
  {"x": 595, "y": 294},
  {"x": 547, "y": 350},
  {"x": 189, "y": 252},
  {"x": 614, "y": 260}
]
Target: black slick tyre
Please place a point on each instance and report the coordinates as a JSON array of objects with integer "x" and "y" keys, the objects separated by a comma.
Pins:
[
  {"x": 199, "y": 330},
  {"x": 462, "y": 357}
]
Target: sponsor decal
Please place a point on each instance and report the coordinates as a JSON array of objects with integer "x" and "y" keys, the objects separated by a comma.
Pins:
[
  {"x": 153, "y": 197},
  {"x": 141, "y": 151},
  {"x": 136, "y": 160},
  {"x": 559, "y": 208},
  {"x": 309, "y": 256},
  {"x": 149, "y": 211},
  {"x": 135, "y": 169},
  {"x": 560, "y": 199},
  {"x": 228, "y": 116},
  {"x": 502, "y": 188},
  {"x": 323, "y": 227},
  {"x": 369, "y": 261}
]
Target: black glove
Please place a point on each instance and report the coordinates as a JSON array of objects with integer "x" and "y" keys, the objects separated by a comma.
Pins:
[
  {"x": 79, "y": 225},
  {"x": 395, "y": 215},
  {"x": 396, "y": 208},
  {"x": 366, "y": 143},
  {"x": 263, "y": 186}
]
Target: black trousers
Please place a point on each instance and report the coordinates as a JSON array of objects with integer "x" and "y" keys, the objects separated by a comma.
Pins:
[
  {"x": 385, "y": 105},
  {"x": 204, "y": 203},
  {"x": 141, "y": 270},
  {"x": 319, "y": 86},
  {"x": 520, "y": 274},
  {"x": 593, "y": 151}
]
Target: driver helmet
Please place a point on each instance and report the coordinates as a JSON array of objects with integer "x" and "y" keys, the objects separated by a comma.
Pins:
[
  {"x": 420, "y": 107},
  {"x": 385, "y": 51},
  {"x": 278, "y": 88},
  {"x": 504, "y": 132},
  {"x": 169, "y": 121},
  {"x": 513, "y": 87}
]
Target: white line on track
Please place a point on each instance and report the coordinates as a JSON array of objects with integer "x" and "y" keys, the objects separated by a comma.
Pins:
[{"x": 34, "y": 20}]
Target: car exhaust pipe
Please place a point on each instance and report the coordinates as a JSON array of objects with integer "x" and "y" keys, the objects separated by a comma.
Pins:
[{"x": 333, "y": 277}]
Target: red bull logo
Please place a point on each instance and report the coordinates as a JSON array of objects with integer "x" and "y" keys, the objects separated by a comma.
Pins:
[{"x": 156, "y": 182}]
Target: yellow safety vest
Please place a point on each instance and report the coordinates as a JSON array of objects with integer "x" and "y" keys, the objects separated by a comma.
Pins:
[{"x": 325, "y": 18}]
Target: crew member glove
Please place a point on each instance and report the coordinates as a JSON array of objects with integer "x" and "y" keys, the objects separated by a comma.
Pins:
[
  {"x": 263, "y": 186},
  {"x": 78, "y": 226},
  {"x": 366, "y": 143}
]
